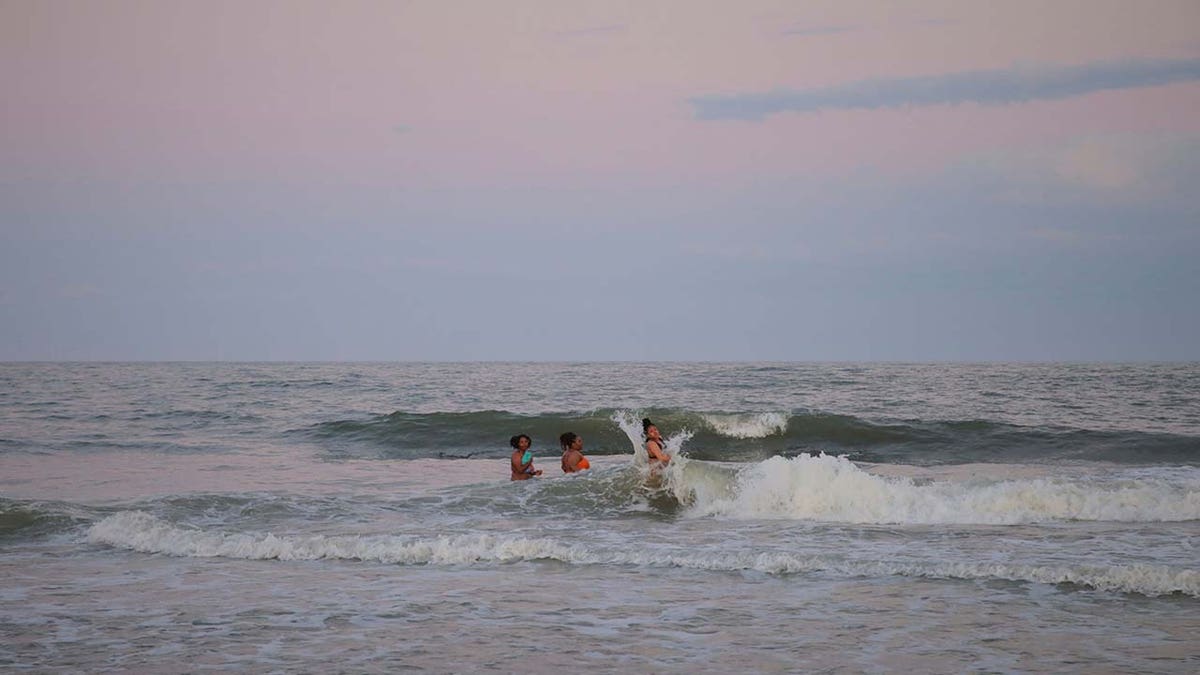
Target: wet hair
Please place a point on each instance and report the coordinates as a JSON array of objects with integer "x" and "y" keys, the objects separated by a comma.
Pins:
[
  {"x": 516, "y": 440},
  {"x": 567, "y": 439},
  {"x": 646, "y": 424}
]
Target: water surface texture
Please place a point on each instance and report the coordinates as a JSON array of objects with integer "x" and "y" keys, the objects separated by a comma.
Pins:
[{"x": 360, "y": 517}]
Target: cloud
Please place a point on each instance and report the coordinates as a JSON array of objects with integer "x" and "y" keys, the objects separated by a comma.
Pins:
[{"x": 984, "y": 87}]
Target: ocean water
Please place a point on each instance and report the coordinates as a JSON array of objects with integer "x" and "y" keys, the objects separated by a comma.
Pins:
[{"x": 181, "y": 517}]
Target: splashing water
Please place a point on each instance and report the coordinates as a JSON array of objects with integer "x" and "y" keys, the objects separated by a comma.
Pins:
[{"x": 758, "y": 425}]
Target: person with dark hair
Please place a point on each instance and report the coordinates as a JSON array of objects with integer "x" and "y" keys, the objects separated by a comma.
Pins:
[
  {"x": 655, "y": 454},
  {"x": 522, "y": 458},
  {"x": 572, "y": 458}
]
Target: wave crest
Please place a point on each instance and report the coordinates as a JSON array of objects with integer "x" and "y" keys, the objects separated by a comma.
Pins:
[
  {"x": 758, "y": 425},
  {"x": 140, "y": 531}
]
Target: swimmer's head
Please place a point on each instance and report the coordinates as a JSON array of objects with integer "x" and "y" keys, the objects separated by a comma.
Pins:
[
  {"x": 647, "y": 426},
  {"x": 515, "y": 441},
  {"x": 567, "y": 439}
]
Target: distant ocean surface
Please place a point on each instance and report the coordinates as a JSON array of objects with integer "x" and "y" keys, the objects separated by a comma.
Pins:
[{"x": 359, "y": 517}]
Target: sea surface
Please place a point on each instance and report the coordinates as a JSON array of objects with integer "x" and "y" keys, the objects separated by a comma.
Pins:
[{"x": 835, "y": 517}]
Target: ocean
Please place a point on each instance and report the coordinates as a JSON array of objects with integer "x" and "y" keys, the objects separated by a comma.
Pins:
[{"x": 830, "y": 517}]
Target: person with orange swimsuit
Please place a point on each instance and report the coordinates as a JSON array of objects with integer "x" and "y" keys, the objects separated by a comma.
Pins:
[
  {"x": 522, "y": 458},
  {"x": 572, "y": 459}
]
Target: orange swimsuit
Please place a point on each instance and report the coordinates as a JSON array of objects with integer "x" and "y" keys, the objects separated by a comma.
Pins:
[{"x": 579, "y": 466}]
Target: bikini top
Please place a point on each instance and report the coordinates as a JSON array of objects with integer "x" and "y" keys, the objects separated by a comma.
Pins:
[{"x": 579, "y": 466}]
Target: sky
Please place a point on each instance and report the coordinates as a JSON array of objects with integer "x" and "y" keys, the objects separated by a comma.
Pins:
[{"x": 554, "y": 180}]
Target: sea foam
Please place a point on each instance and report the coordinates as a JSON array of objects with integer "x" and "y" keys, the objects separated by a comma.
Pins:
[
  {"x": 143, "y": 532},
  {"x": 759, "y": 425}
]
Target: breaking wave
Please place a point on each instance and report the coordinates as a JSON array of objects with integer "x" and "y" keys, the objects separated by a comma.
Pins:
[{"x": 834, "y": 489}]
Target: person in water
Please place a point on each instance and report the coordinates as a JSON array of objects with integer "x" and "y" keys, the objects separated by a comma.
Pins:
[
  {"x": 656, "y": 455},
  {"x": 572, "y": 457},
  {"x": 522, "y": 458}
]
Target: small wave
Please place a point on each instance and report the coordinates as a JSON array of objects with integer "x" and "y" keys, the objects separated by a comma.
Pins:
[
  {"x": 142, "y": 532},
  {"x": 13, "y": 520},
  {"x": 1150, "y": 580},
  {"x": 201, "y": 416},
  {"x": 748, "y": 436},
  {"x": 33, "y": 519},
  {"x": 466, "y": 434}
]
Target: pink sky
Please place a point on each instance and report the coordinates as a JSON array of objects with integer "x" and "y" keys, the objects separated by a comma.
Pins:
[{"x": 548, "y": 92}]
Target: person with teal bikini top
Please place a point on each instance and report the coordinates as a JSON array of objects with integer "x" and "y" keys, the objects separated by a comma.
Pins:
[{"x": 522, "y": 458}]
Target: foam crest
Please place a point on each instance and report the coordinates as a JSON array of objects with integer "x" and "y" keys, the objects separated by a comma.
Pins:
[
  {"x": 143, "y": 532},
  {"x": 140, "y": 531},
  {"x": 1149, "y": 580},
  {"x": 834, "y": 489},
  {"x": 759, "y": 425}
]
